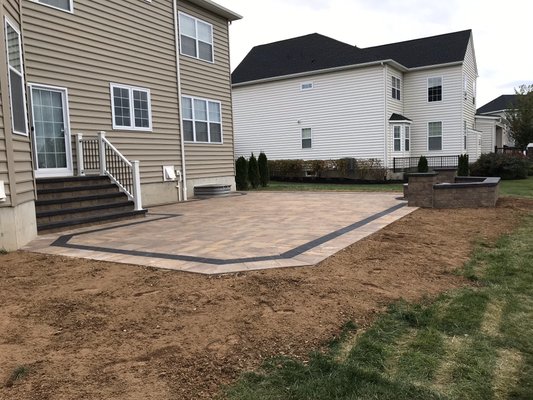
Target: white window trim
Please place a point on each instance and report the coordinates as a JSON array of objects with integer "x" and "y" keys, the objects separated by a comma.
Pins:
[
  {"x": 209, "y": 142},
  {"x": 132, "y": 110},
  {"x": 441, "y": 93},
  {"x": 71, "y": 11},
  {"x": 197, "y": 40},
  {"x": 399, "y": 89},
  {"x": 302, "y": 138},
  {"x": 13, "y": 26},
  {"x": 441, "y": 136},
  {"x": 305, "y": 89},
  {"x": 405, "y": 138}
]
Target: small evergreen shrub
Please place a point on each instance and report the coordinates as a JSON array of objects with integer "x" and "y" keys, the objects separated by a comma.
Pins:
[
  {"x": 423, "y": 164},
  {"x": 253, "y": 172},
  {"x": 463, "y": 167},
  {"x": 264, "y": 174},
  {"x": 506, "y": 166},
  {"x": 241, "y": 173}
]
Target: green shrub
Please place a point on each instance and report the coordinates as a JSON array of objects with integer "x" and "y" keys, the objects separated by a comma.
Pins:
[
  {"x": 241, "y": 173},
  {"x": 506, "y": 166},
  {"x": 264, "y": 175},
  {"x": 423, "y": 164},
  {"x": 463, "y": 167},
  {"x": 253, "y": 172}
]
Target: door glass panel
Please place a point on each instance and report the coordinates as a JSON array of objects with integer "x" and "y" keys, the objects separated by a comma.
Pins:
[{"x": 49, "y": 127}]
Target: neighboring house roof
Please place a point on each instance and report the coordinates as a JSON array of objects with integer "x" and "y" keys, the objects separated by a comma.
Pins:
[
  {"x": 317, "y": 52},
  {"x": 398, "y": 117},
  {"x": 217, "y": 9},
  {"x": 504, "y": 102}
]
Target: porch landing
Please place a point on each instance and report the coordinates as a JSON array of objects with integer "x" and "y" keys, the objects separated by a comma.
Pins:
[{"x": 237, "y": 233}]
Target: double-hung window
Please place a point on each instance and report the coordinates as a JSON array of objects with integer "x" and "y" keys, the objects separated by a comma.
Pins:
[
  {"x": 407, "y": 138},
  {"x": 435, "y": 135},
  {"x": 202, "y": 120},
  {"x": 397, "y": 138},
  {"x": 131, "y": 108},
  {"x": 17, "y": 93},
  {"x": 196, "y": 38},
  {"x": 306, "y": 138},
  {"x": 434, "y": 89},
  {"x": 396, "y": 88},
  {"x": 65, "y": 5}
]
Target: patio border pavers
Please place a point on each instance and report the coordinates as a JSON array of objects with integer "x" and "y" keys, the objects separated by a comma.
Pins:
[{"x": 63, "y": 241}]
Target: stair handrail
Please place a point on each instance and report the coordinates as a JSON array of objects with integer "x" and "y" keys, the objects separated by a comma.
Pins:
[{"x": 112, "y": 163}]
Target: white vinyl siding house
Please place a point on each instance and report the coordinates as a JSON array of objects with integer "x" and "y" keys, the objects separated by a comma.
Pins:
[
  {"x": 344, "y": 110},
  {"x": 368, "y": 109}
]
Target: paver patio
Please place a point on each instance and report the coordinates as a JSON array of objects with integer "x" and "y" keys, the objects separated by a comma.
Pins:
[{"x": 236, "y": 233}]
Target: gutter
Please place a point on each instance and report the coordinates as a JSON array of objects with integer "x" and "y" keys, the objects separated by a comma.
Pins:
[
  {"x": 386, "y": 124},
  {"x": 178, "y": 82}
]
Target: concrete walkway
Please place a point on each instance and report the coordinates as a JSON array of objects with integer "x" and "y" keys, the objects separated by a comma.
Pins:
[{"x": 257, "y": 230}]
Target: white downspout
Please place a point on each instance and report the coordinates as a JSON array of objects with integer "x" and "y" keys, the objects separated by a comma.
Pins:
[
  {"x": 178, "y": 76},
  {"x": 386, "y": 152}
]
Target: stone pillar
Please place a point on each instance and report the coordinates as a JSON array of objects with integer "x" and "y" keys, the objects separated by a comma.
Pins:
[
  {"x": 446, "y": 174},
  {"x": 421, "y": 189}
]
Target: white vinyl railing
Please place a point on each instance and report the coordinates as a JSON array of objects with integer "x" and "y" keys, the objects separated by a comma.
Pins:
[{"x": 96, "y": 155}]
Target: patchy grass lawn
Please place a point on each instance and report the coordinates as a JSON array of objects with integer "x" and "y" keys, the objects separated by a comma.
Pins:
[
  {"x": 353, "y": 187},
  {"x": 472, "y": 343},
  {"x": 518, "y": 188}
]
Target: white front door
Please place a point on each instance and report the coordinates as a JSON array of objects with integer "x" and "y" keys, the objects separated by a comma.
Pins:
[{"x": 51, "y": 131}]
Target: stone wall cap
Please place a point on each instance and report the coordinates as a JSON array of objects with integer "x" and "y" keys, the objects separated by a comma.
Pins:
[
  {"x": 486, "y": 182},
  {"x": 422, "y": 174},
  {"x": 445, "y": 169}
]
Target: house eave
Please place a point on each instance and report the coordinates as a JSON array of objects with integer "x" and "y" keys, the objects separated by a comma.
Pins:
[
  {"x": 217, "y": 9},
  {"x": 320, "y": 72},
  {"x": 344, "y": 68}
]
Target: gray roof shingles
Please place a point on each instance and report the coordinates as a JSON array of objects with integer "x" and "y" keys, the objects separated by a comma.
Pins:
[
  {"x": 316, "y": 52},
  {"x": 504, "y": 102}
]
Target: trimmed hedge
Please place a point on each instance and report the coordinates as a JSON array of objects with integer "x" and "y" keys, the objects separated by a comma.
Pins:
[
  {"x": 506, "y": 166},
  {"x": 241, "y": 173},
  {"x": 463, "y": 168},
  {"x": 422, "y": 164},
  {"x": 264, "y": 174},
  {"x": 345, "y": 168},
  {"x": 253, "y": 172}
]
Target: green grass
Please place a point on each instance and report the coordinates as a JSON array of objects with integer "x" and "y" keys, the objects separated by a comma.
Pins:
[
  {"x": 348, "y": 187},
  {"x": 473, "y": 343},
  {"x": 517, "y": 188}
]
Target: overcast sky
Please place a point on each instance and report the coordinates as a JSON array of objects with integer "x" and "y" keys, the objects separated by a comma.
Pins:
[{"x": 503, "y": 32}]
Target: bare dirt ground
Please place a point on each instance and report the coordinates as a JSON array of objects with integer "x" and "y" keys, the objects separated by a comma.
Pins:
[{"x": 96, "y": 330}]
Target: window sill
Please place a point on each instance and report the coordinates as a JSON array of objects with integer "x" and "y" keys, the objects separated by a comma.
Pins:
[{"x": 204, "y": 143}]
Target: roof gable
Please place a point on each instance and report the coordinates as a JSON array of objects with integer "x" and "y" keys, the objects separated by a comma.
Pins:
[{"x": 316, "y": 52}]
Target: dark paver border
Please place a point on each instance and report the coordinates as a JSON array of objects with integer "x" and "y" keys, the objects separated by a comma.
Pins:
[{"x": 63, "y": 241}]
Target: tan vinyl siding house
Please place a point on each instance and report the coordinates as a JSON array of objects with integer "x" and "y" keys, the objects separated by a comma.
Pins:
[
  {"x": 17, "y": 211},
  {"x": 114, "y": 66}
]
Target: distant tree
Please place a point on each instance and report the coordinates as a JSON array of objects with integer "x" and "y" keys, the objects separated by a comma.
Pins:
[
  {"x": 253, "y": 171},
  {"x": 264, "y": 173},
  {"x": 520, "y": 117},
  {"x": 423, "y": 164},
  {"x": 241, "y": 173},
  {"x": 463, "y": 168}
]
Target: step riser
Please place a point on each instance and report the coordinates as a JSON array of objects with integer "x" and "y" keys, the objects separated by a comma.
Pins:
[
  {"x": 43, "y": 185},
  {"x": 86, "y": 224},
  {"x": 77, "y": 193},
  {"x": 79, "y": 204},
  {"x": 75, "y": 214}
]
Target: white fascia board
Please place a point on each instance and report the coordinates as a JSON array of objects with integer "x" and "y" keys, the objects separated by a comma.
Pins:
[
  {"x": 396, "y": 64},
  {"x": 321, "y": 71},
  {"x": 217, "y": 9}
]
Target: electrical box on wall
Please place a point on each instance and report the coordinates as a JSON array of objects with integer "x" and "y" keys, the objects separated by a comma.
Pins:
[
  {"x": 2, "y": 192},
  {"x": 169, "y": 173}
]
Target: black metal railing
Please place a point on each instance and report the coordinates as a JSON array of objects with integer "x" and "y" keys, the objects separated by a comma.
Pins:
[
  {"x": 508, "y": 150},
  {"x": 91, "y": 158},
  {"x": 410, "y": 164}
]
